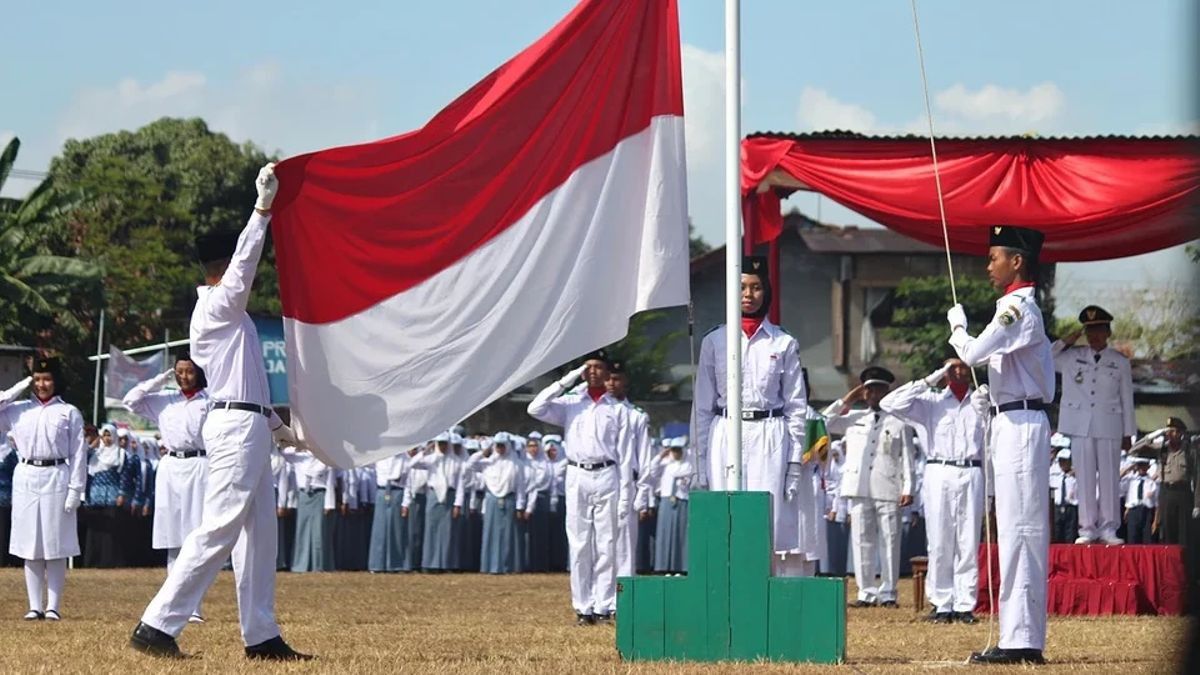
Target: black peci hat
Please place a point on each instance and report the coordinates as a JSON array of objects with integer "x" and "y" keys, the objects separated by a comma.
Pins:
[
  {"x": 1176, "y": 423},
  {"x": 1093, "y": 315},
  {"x": 756, "y": 265},
  {"x": 52, "y": 365},
  {"x": 216, "y": 246},
  {"x": 617, "y": 367},
  {"x": 876, "y": 375},
  {"x": 1022, "y": 238},
  {"x": 599, "y": 355}
]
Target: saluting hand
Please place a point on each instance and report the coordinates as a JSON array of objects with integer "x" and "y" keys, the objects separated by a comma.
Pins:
[{"x": 1072, "y": 337}]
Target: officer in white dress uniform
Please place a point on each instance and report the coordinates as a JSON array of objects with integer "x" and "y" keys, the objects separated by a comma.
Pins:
[
  {"x": 775, "y": 410},
  {"x": 952, "y": 487},
  {"x": 183, "y": 470},
  {"x": 877, "y": 478},
  {"x": 239, "y": 507},
  {"x": 1021, "y": 377},
  {"x": 627, "y": 528},
  {"x": 1096, "y": 412},
  {"x": 48, "y": 482},
  {"x": 599, "y": 481}
]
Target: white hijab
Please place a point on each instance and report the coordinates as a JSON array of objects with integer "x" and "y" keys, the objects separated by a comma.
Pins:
[{"x": 105, "y": 457}]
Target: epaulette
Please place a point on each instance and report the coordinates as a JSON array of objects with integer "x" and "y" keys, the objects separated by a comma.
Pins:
[{"x": 712, "y": 329}]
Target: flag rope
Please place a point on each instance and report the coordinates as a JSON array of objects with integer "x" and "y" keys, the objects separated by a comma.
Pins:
[{"x": 937, "y": 179}]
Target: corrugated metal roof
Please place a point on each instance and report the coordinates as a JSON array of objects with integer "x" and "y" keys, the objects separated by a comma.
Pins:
[
  {"x": 862, "y": 240},
  {"x": 840, "y": 134}
]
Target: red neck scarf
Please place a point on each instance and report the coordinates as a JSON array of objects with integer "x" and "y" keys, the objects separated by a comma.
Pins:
[
  {"x": 189, "y": 393},
  {"x": 750, "y": 324},
  {"x": 596, "y": 392},
  {"x": 44, "y": 401},
  {"x": 1017, "y": 285},
  {"x": 959, "y": 390}
]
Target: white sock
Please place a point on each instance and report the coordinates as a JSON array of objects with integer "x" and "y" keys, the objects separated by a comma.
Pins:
[
  {"x": 56, "y": 578},
  {"x": 34, "y": 571}
]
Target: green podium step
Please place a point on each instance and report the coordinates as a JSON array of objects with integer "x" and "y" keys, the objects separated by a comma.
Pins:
[{"x": 729, "y": 607}]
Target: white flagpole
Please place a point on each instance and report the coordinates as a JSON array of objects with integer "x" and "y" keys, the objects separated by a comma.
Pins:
[
  {"x": 96, "y": 390},
  {"x": 733, "y": 243}
]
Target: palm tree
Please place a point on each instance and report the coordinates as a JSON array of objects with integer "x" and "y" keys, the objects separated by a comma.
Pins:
[{"x": 35, "y": 284}]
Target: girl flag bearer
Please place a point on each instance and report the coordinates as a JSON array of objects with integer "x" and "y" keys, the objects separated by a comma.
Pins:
[{"x": 48, "y": 483}]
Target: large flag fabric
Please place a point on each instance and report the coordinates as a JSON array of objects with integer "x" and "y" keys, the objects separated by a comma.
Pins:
[
  {"x": 425, "y": 275},
  {"x": 123, "y": 373}
]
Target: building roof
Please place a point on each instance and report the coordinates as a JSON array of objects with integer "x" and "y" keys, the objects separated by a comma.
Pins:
[{"x": 844, "y": 134}]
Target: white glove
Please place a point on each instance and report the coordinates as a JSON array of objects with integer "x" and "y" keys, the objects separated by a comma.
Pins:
[
  {"x": 622, "y": 508},
  {"x": 792, "y": 482},
  {"x": 73, "y": 501},
  {"x": 570, "y": 378},
  {"x": 284, "y": 436},
  {"x": 1196, "y": 512},
  {"x": 267, "y": 185},
  {"x": 980, "y": 400},
  {"x": 957, "y": 317},
  {"x": 936, "y": 376}
]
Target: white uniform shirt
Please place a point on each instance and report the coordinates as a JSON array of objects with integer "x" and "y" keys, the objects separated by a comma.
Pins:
[
  {"x": 1063, "y": 488},
  {"x": 313, "y": 474},
  {"x": 771, "y": 379},
  {"x": 879, "y": 452},
  {"x": 224, "y": 340},
  {"x": 558, "y": 482},
  {"x": 1097, "y": 392},
  {"x": 537, "y": 475},
  {"x": 444, "y": 473},
  {"x": 50, "y": 430},
  {"x": 1015, "y": 348},
  {"x": 501, "y": 474},
  {"x": 955, "y": 430},
  {"x": 284, "y": 479},
  {"x": 391, "y": 471},
  {"x": 672, "y": 477},
  {"x": 594, "y": 431},
  {"x": 1149, "y": 488},
  {"x": 179, "y": 418}
]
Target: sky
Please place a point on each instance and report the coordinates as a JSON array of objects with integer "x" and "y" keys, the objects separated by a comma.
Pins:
[{"x": 301, "y": 76}]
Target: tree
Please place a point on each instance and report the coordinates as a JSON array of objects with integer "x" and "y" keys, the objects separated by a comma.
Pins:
[
  {"x": 645, "y": 358},
  {"x": 919, "y": 317},
  {"x": 146, "y": 194},
  {"x": 696, "y": 244},
  {"x": 37, "y": 286}
]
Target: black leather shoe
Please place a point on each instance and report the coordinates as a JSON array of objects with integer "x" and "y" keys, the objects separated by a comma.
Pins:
[
  {"x": 152, "y": 641},
  {"x": 965, "y": 617},
  {"x": 585, "y": 620},
  {"x": 33, "y": 615},
  {"x": 861, "y": 603},
  {"x": 998, "y": 656},
  {"x": 275, "y": 649},
  {"x": 890, "y": 604},
  {"x": 604, "y": 618},
  {"x": 941, "y": 617}
]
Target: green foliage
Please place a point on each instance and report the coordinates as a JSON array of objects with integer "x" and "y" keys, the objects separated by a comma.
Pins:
[
  {"x": 919, "y": 317},
  {"x": 696, "y": 244},
  {"x": 645, "y": 359}
]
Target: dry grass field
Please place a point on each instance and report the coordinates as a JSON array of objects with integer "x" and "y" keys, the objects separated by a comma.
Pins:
[{"x": 362, "y": 623}]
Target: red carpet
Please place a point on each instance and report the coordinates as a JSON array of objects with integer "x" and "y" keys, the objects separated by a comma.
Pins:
[{"x": 1100, "y": 580}]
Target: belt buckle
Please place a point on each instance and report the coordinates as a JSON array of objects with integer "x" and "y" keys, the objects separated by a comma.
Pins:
[{"x": 747, "y": 414}]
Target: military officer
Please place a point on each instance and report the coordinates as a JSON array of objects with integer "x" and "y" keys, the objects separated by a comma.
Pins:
[
  {"x": 239, "y": 506},
  {"x": 1096, "y": 412},
  {"x": 1016, "y": 350},
  {"x": 1178, "y": 495},
  {"x": 877, "y": 478}
]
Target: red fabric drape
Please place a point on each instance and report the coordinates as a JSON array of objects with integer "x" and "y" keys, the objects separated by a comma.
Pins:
[
  {"x": 1095, "y": 199},
  {"x": 1103, "y": 580}
]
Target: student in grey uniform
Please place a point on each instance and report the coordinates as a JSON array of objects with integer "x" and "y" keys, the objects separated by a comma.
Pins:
[
  {"x": 670, "y": 473},
  {"x": 646, "y": 506},
  {"x": 284, "y": 481},
  {"x": 557, "y": 507},
  {"x": 503, "y": 475},
  {"x": 352, "y": 528},
  {"x": 443, "y": 505},
  {"x": 534, "y": 523},
  {"x": 389, "y": 530},
  {"x": 412, "y": 509},
  {"x": 316, "y": 497},
  {"x": 460, "y": 525},
  {"x": 111, "y": 483},
  {"x": 473, "y": 484},
  {"x": 48, "y": 483}
]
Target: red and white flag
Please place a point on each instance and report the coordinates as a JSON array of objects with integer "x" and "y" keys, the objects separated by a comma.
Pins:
[{"x": 425, "y": 275}]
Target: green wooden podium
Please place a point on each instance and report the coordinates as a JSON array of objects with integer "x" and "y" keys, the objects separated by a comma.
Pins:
[{"x": 729, "y": 607}]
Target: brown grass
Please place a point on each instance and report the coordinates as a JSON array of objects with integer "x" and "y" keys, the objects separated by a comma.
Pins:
[{"x": 361, "y": 623}]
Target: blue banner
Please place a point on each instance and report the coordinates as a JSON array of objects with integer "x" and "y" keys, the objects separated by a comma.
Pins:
[{"x": 274, "y": 352}]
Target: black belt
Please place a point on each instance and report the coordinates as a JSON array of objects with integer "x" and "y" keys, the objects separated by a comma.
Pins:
[
  {"x": 751, "y": 415},
  {"x": 43, "y": 462},
  {"x": 1030, "y": 404},
  {"x": 595, "y": 466},
  {"x": 391, "y": 485},
  {"x": 960, "y": 463},
  {"x": 187, "y": 454},
  {"x": 263, "y": 410},
  {"x": 1175, "y": 485},
  {"x": 311, "y": 490}
]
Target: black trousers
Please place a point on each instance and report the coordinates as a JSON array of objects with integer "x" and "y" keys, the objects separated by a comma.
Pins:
[
  {"x": 1137, "y": 530},
  {"x": 1175, "y": 504},
  {"x": 1066, "y": 524}
]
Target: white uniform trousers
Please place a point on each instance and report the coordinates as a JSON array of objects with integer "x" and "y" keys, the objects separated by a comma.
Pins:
[
  {"x": 953, "y": 499},
  {"x": 1097, "y": 481},
  {"x": 591, "y": 538},
  {"x": 875, "y": 534},
  {"x": 239, "y": 516},
  {"x": 627, "y": 532},
  {"x": 178, "y": 499},
  {"x": 1021, "y": 453}
]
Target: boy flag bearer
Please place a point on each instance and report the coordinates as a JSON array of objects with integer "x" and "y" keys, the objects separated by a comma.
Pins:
[
  {"x": 1021, "y": 376},
  {"x": 239, "y": 507}
]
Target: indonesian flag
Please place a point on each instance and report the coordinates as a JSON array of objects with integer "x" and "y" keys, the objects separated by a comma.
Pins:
[{"x": 425, "y": 275}]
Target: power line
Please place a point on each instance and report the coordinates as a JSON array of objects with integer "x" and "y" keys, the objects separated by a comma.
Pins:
[{"x": 28, "y": 175}]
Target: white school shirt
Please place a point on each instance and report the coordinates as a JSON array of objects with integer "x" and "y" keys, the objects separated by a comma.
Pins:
[
  {"x": 444, "y": 473},
  {"x": 1149, "y": 492},
  {"x": 392, "y": 470},
  {"x": 313, "y": 474},
  {"x": 180, "y": 419},
  {"x": 538, "y": 474},
  {"x": 671, "y": 477},
  {"x": 501, "y": 474},
  {"x": 1058, "y": 484}
]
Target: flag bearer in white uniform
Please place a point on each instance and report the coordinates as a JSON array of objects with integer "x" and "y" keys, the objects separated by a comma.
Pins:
[
  {"x": 628, "y": 528},
  {"x": 1021, "y": 377},
  {"x": 183, "y": 470},
  {"x": 1096, "y": 412},
  {"x": 877, "y": 479},
  {"x": 48, "y": 483},
  {"x": 599, "y": 481},
  {"x": 239, "y": 507},
  {"x": 952, "y": 490},
  {"x": 775, "y": 410}
]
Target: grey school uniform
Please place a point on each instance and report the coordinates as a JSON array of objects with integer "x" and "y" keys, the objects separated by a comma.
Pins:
[
  {"x": 316, "y": 498},
  {"x": 389, "y": 530},
  {"x": 673, "y": 480}
]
